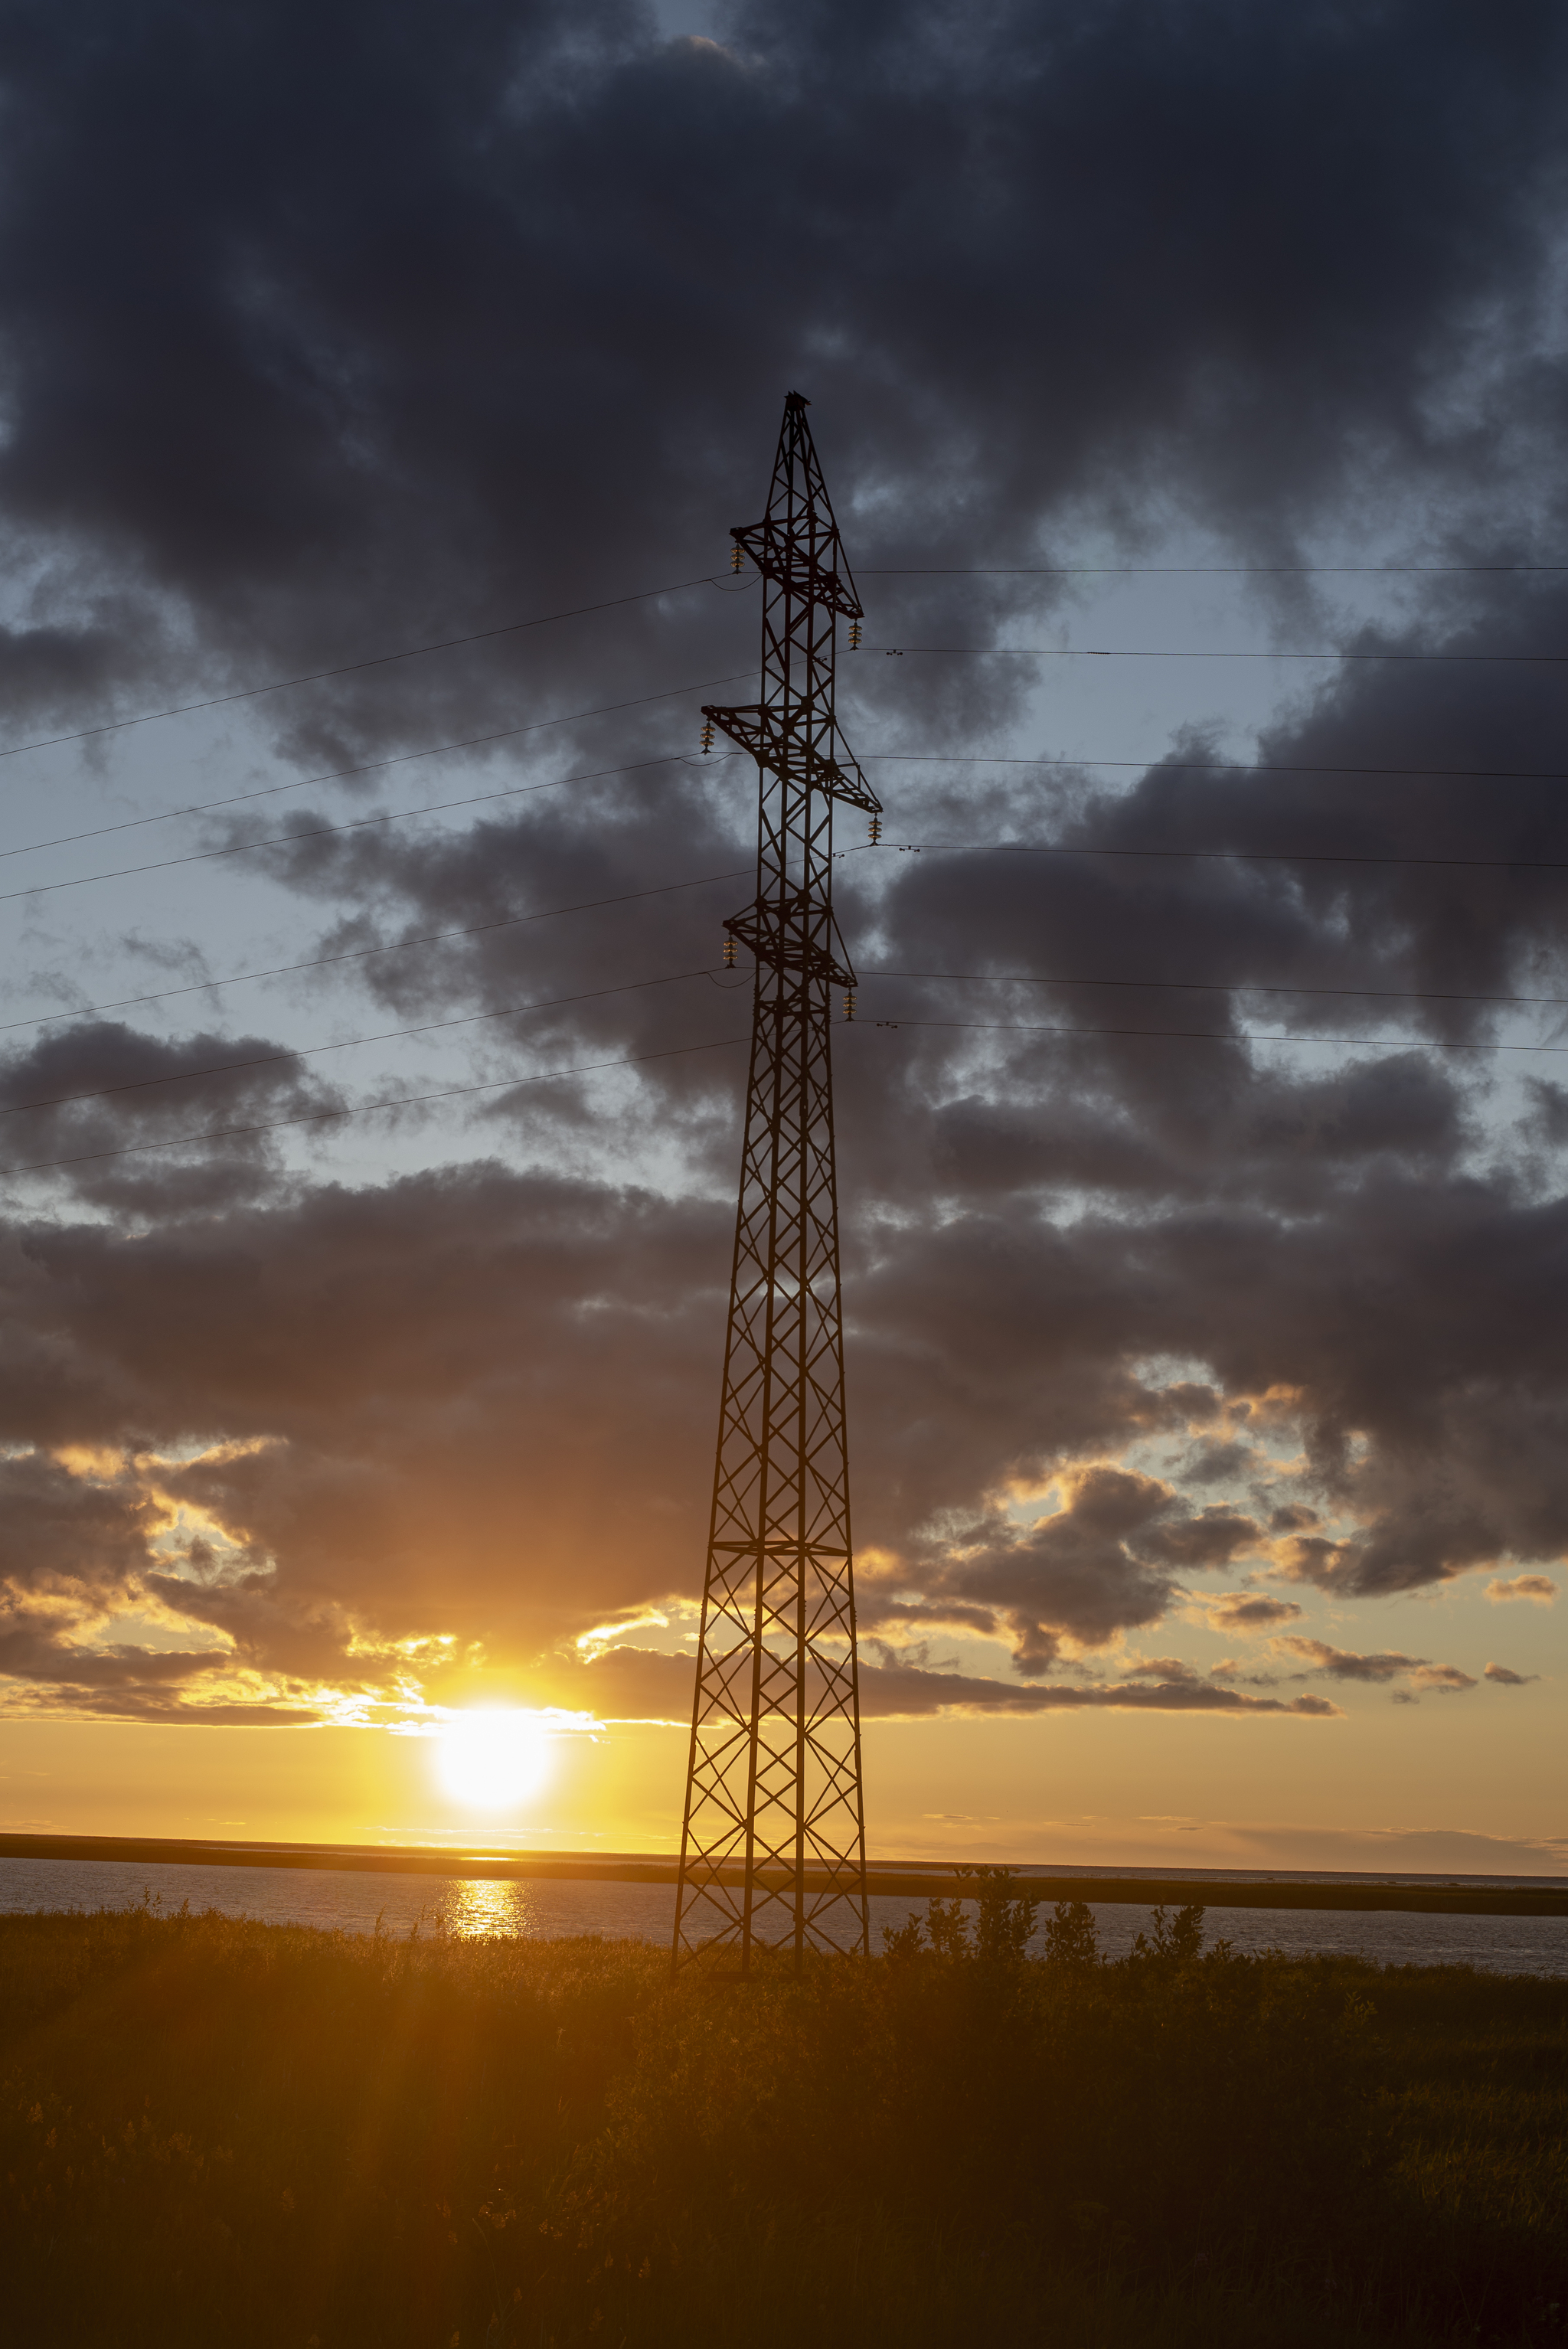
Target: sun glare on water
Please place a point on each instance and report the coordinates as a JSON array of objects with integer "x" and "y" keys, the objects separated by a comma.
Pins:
[{"x": 490, "y": 1759}]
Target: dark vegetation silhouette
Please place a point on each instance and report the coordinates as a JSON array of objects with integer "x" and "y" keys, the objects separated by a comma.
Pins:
[{"x": 213, "y": 2130}]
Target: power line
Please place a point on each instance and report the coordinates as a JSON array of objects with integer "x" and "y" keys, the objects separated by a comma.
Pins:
[
  {"x": 984, "y": 978},
  {"x": 511, "y": 733},
  {"x": 347, "y": 668},
  {"x": 1216, "y": 856},
  {"x": 1124, "y": 652},
  {"x": 1238, "y": 768},
  {"x": 375, "y": 766},
  {"x": 485, "y": 799},
  {"x": 635, "y": 986},
  {"x": 1242, "y": 768},
  {"x": 1232, "y": 767},
  {"x": 593, "y": 905},
  {"x": 1221, "y": 570},
  {"x": 1219, "y": 986},
  {"x": 363, "y": 822},
  {"x": 368, "y": 1109},
  {"x": 681, "y": 587},
  {"x": 345, "y": 1044},
  {"x": 635, "y": 1060},
  {"x": 1209, "y": 1035},
  {"x": 363, "y": 954},
  {"x": 1000, "y": 978}
]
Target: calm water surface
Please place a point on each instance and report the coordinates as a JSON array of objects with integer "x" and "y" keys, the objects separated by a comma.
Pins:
[{"x": 351, "y": 1901}]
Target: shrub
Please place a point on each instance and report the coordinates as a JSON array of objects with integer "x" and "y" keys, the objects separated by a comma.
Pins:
[{"x": 209, "y": 2127}]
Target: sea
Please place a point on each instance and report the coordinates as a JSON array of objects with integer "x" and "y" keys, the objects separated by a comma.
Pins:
[{"x": 364, "y": 1900}]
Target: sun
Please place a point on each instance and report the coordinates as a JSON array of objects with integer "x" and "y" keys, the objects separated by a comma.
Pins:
[{"x": 492, "y": 1758}]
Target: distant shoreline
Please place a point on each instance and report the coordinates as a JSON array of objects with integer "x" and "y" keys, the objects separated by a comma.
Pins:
[{"x": 908, "y": 1879}]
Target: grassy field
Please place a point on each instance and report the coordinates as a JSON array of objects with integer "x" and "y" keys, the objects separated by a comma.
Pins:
[{"x": 222, "y": 2132}]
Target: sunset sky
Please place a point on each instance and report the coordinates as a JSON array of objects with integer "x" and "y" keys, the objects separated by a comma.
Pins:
[{"x": 1204, "y": 1228}]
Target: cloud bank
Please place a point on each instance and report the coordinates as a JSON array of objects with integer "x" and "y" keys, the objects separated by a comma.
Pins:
[{"x": 330, "y": 331}]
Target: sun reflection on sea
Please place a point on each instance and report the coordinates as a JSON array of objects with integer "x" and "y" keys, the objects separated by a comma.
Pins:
[{"x": 483, "y": 1905}]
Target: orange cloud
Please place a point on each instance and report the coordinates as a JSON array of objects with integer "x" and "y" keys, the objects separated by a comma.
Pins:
[{"x": 1538, "y": 1587}]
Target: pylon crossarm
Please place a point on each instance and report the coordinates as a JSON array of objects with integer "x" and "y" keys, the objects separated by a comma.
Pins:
[
  {"x": 793, "y": 758},
  {"x": 779, "y": 556}
]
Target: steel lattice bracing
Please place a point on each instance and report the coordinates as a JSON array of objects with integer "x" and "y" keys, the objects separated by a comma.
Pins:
[{"x": 773, "y": 1843}]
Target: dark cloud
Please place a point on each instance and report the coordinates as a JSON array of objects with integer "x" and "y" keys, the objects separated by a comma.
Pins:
[
  {"x": 1217, "y": 1464},
  {"x": 70, "y": 1536},
  {"x": 103, "y": 1102},
  {"x": 639, "y": 1684},
  {"x": 1345, "y": 1664},
  {"x": 28, "y": 1651},
  {"x": 1101, "y": 1563},
  {"x": 1229, "y": 1673},
  {"x": 328, "y": 330},
  {"x": 325, "y": 325},
  {"x": 347, "y": 1391},
  {"x": 416, "y": 1377},
  {"x": 1549, "y": 1120},
  {"x": 1504, "y": 1678},
  {"x": 1342, "y": 1664},
  {"x": 313, "y": 1642},
  {"x": 1248, "y": 1611}
]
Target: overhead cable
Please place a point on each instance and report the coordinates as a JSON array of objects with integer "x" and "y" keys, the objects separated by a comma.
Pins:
[
  {"x": 343, "y": 1044},
  {"x": 635, "y": 1060},
  {"x": 1126, "y": 652},
  {"x": 984, "y": 978},
  {"x": 363, "y": 822},
  {"x": 1218, "y": 571},
  {"x": 943, "y": 847},
  {"x": 368, "y": 1109},
  {"x": 1237, "y": 768},
  {"x": 593, "y": 905},
  {"x": 348, "y": 669},
  {"x": 1212, "y": 1036},
  {"x": 1216, "y": 856},
  {"x": 681, "y": 587},
  {"x": 374, "y": 766},
  {"x": 364, "y": 954},
  {"x": 1216, "y": 987}
]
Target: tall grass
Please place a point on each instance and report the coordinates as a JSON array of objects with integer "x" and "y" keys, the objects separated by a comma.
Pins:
[{"x": 223, "y": 2132}]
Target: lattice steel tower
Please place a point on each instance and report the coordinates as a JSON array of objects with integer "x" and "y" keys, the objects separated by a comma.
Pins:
[{"x": 773, "y": 1840}]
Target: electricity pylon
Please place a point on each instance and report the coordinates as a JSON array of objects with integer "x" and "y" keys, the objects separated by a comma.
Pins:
[{"x": 773, "y": 1840}]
